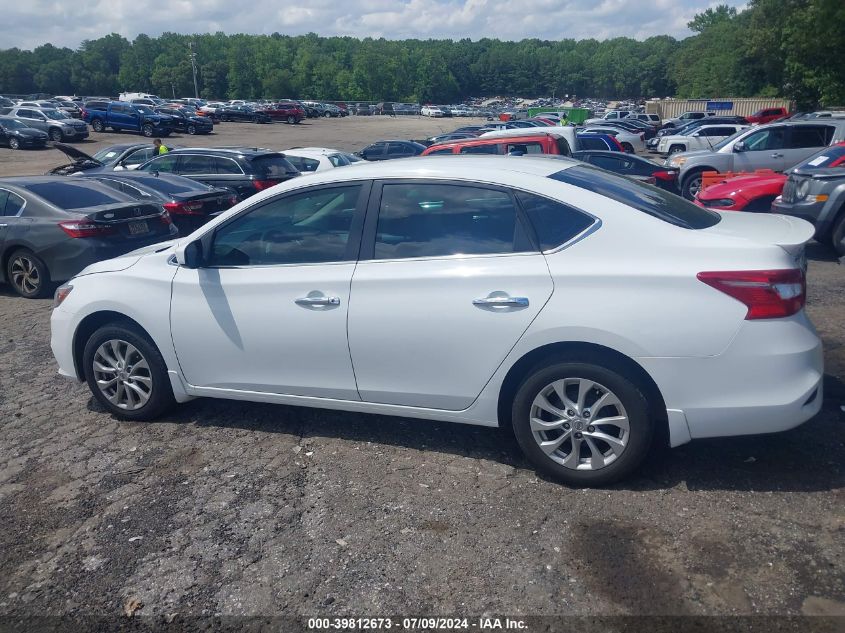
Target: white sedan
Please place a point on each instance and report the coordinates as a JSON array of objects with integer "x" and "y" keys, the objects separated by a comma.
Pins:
[
  {"x": 591, "y": 313},
  {"x": 310, "y": 159},
  {"x": 704, "y": 137},
  {"x": 432, "y": 111}
]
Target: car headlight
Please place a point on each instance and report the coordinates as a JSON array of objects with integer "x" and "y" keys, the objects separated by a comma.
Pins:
[
  {"x": 675, "y": 161},
  {"x": 801, "y": 190}
]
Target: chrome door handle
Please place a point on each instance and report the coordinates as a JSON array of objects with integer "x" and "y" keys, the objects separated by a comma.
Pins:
[
  {"x": 507, "y": 302},
  {"x": 776, "y": 155},
  {"x": 318, "y": 301}
]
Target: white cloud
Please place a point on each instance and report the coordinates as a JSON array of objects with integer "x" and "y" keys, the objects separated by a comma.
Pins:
[{"x": 27, "y": 25}]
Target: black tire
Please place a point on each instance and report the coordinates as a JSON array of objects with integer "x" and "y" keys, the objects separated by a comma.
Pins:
[
  {"x": 161, "y": 393},
  {"x": 192, "y": 129},
  {"x": 675, "y": 149},
  {"x": 629, "y": 149},
  {"x": 14, "y": 143},
  {"x": 691, "y": 184},
  {"x": 638, "y": 439},
  {"x": 291, "y": 120},
  {"x": 327, "y": 115},
  {"x": 837, "y": 235},
  {"x": 27, "y": 274},
  {"x": 56, "y": 135},
  {"x": 98, "y": 126},
  {"x": 147, "y": 130}
]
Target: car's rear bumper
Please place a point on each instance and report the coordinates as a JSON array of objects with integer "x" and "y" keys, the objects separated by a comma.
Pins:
[{"x": 769, "y": 379}]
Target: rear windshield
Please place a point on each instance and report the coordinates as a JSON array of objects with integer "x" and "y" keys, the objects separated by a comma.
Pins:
[
  {"x": 828, "y": 157},
  {"x": 174, "y": 184},
  {"x": 646, "y": 198},
  {"x": 68, "y": 195},
  {"x": 272, "y": 166}
]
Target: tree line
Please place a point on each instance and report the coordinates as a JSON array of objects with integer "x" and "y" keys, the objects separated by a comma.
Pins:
[{"x": 789, "y": 48}]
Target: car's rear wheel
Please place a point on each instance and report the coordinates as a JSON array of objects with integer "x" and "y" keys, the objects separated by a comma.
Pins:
[
  {"x": 291, "y": 120},
  {"x": 14, "y": 143},
  {"x": 147, "y": 130},
  {"x": 126, "y": 373},
  {"x": 98, "y": 126},
  {"x": 192, "y": 129},
  {"x": 27, "y": 274},
  {"x": 582, "y": 423},
  {"x": 692, "y": 185},
  {"x": 56, "y": 135}
]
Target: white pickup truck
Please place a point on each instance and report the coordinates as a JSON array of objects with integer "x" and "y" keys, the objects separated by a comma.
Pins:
[{"x": 704, "y": 137}]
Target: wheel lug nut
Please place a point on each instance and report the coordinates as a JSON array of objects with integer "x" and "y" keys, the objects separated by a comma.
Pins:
[
  {"x": 570, "y": 412},
  {"x": 566, "y": 425},
  {"x": 578, "y": 436},
  {"x": 591, "y": 428},
  {"x": 586, "y": 413}
]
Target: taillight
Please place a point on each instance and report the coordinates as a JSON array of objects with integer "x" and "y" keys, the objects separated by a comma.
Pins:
[
  {"x": 261, "y": 185},
  {"x": 665, "y": 175},
  {"x": 86, "y": 228},
  {"x": 184, "y": 208},
  {"x": 768, "y": 294}
]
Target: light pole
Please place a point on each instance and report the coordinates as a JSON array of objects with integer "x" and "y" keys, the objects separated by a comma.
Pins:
[{"x": 193, "y": 57}]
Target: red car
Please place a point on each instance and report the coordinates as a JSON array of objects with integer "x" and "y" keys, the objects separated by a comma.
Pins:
[
  {"x": 767, "y": 115},
  {"x": 285, "y": 111},
  {"x": 751, "y": 192}
]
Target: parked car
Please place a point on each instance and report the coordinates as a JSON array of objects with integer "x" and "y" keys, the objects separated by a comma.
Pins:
[
  {"x": 597, "y": 141},
  {"x": 632, "y": 166},
  {"x": 686, "y": 129},
  {"x": 287, "y": 111},
  {"x": 493, "y": 251},
  {"x": 122, "y": 116},
  {"x": 652, "y": 119},
  {"x": 767, "y": 115},
  {"x": 526, "y": 143},
  {"x": 17, "y": 135},
  {"x": 686, "y": 117},
  {"x": 611, "y": 115},
  {"x": 187, "y": 120},
  {"x": 246, "y": 171},
  {"x": 815, "y": 191},
  {"x": 126, "y": 156},
  {"x": 387, "y": 150},
  {"x": 59, "y": 126},
  {"x": 775, "y": 146},
  {"x": 331, "y": 110},
  {"x": 700, "y": 137},
  {"x": 630, "y": 141},
  {"x": 753, "y": 192},
  {"x": 311, "y": 159},
  {"x": 53, "y": 227},
  {"x": 432, "y": 111},
  {"x": 242, "y": 113},
  {"x": 189, "y": 203}
]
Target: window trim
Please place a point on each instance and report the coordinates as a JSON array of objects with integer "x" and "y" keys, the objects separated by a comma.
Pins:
[
  {"x": 366, "y": 252},
  {"x": 20, "y": 211},
  {"x": 353, "y": 245}
]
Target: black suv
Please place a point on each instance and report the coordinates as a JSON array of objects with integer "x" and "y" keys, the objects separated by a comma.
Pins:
[
  {"x": 243, "y": 170},
  {"x": 183, "y": 120},
  {"x": 385, "y": 150}
]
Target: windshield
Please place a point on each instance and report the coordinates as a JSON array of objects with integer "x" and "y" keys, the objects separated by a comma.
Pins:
[
  {"x": 12, "y": 124},
  {"x": 829, "y": 157},
  {"x": 105, "y": 155},
  {"x": 144, "y": 109},
  {"x": 729, "y": 140},
  {"x": 56, "y": 115}
]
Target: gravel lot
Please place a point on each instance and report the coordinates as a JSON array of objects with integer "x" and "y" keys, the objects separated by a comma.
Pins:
[{"x": 229, "y": 508}]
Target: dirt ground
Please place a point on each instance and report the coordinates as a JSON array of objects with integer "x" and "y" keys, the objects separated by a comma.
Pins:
[{"x": 236, "y": 509}]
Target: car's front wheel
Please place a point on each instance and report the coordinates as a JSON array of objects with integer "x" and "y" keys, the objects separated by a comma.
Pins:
[
  {"x": 98, "y": 126},
  {"x": 838, "y": 234},
  {"x": 126, "y": 373},
  {"x": 56, "y": 135},
  {"x": 692, "y": 185},
  {"x": 675, "y": 149},
  {"x": 192, "y": 129},
  {"x": 147, "y": 130},
  {"x": 582, "y": 423},
  {"x": 14, "y": 143}
]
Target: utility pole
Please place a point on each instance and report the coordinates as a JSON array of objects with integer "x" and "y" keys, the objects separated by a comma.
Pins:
[{"x": 193, "y": 57}]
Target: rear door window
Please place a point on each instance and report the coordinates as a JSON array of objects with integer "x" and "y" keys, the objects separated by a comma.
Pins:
[
  {"x": 195, "y": 164},
  {"x": 762, "y": 140},
  {"x": 165, "y": 164},
  {"x": 302, "y": 163},
  {"x": 138, "y": 156},
  {"x": 810, "y": 136},
  {"x": 642, "y": 197}
]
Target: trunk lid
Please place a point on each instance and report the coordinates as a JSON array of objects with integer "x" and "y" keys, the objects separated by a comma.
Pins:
[
  {"x": 131, "y": 220},
  {"x": 790, "y": 233}
]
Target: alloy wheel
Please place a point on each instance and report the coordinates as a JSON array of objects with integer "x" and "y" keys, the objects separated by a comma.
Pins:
[
  {"x": 579, "y": 424},
  {"x": 24, "y": 275},
  {"x": 123, "y": 375}
]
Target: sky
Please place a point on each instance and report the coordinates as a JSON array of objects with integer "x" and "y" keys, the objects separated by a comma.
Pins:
[{"x": 65, "y": 23}]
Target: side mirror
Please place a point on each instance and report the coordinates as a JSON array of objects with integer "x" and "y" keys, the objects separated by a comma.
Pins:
[
  {"x": 189, "y": 255},
  {"x": 739, "y": 146}
]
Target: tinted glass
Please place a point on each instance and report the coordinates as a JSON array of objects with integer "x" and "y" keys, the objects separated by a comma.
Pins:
[
  {"x": 272, "y": 166},
  {"x": 592, "y": 142},
  {"x": 226, "y": 166},
  {"x": 197, "y": 164},
  {"x": 436, "y": 220},
  {"x": 810, "y": 136},
  {"x": 448, "y": 150},
  {"x": 773, "y": 138},
  {"x": 338, "y": 160},
  {"x": 526, "y": 148},
  {"x": 69, "y": 195},
  {"x": 397, "y": 149},
  {"x": 491, "y": 148},
  {"x": 126, "y": 188},
  {"x": 308, "y": 227},
  {"x": 139, "y": 156},
  {"x": 554, "y": 222},
  {"x": 4, "y": 196},
  {"x": 12, "y": 124},
  {"x": 164, "y": 164},
  {"x": 302, "y": 163},
  {"x": 646, "y": 198},
  {"x": 14, "y": 203},
  {"x": 611, "y": 163}
]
